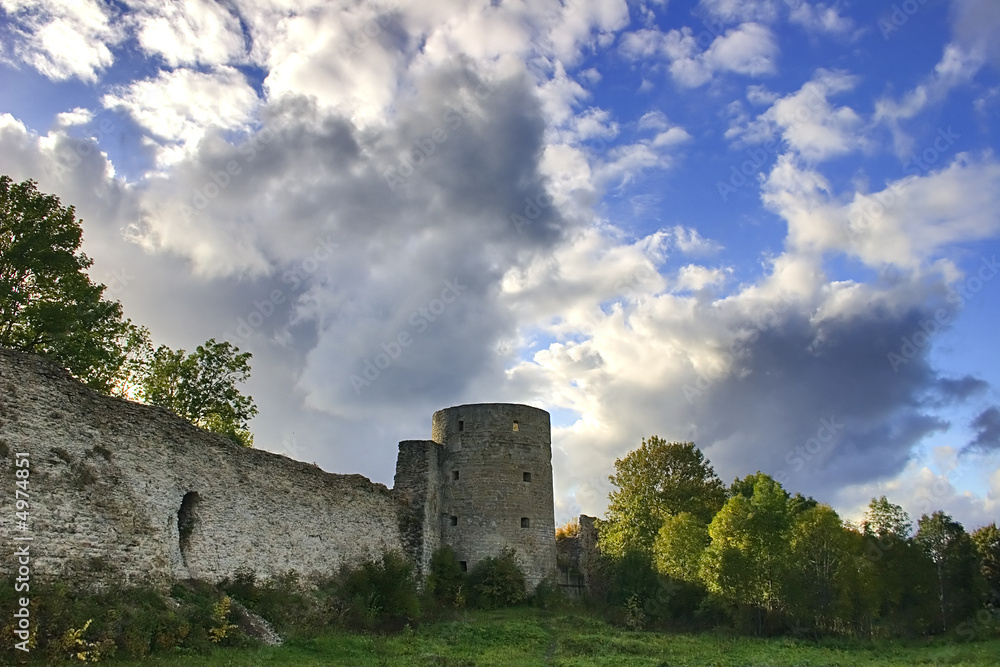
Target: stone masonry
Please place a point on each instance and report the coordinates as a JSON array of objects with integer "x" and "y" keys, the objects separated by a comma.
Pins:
[{"x": 127, "y": 493}]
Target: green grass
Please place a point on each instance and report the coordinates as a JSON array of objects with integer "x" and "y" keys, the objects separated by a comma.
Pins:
[{"x": 526, "y": 636}]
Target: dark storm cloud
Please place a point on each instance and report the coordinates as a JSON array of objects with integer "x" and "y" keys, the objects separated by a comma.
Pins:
[
  {"x": 820, "y": 406},
  {"x": 362, "y": 267},
  {"x": 987, "y": 425}
]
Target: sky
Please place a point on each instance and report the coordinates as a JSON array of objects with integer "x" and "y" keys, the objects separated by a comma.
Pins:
[{"x": 769, "y": 227}]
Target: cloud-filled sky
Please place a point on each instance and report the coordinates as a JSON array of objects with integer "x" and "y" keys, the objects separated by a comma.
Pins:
[{"x": 770, "y": 227}]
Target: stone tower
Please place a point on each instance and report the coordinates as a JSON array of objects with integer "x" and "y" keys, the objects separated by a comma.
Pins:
[{"x": 483, "y": 483}]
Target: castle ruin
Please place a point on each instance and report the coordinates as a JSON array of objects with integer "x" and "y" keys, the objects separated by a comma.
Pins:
[{"x": 125, "y": 493}]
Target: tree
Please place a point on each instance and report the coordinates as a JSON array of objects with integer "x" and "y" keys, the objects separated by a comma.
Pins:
[
  {"x": 679, "y": 546},
  {"x": 956, "y": 564},
  {"x": 657, "y": 480},
  {"x": 748, "y": 558},
  {"x": 820, "y": 557},
  {"x": 48, "y": 304},
  {"x": 987, "y": 541},
  {"x": 201, "y": 387},
  {"x": 899, "y": 571},
  {"x": 886, "y": 521}
]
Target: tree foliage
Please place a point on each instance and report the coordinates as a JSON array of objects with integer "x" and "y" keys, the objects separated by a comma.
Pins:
[
  {"x": 202, "y": 387},
  {"x": 679, "y": 547},
  {"x": 987, "y": 541},
  {"x": 956, "y": 565},
  {"x": 48, "y": 304},
  {"x": 769, "y": 561},
  {"x": 657, "y": 480},
  {"x": 748, "y": 557}
]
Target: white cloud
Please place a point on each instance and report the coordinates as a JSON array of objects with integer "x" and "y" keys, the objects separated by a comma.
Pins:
[
  {"x": 909, "y": 223},
  {"x": 814, "y": 17},
  {"x": 806, "y": 120},
  {"x": 741, "y": 10},
  {"x": 77, "y": 116},
  {"x": 690, "y": 242},
  {"x": 189, "y": 32},
  {"x": 63, "y": 39},
  {"x": 749, "y": 49},
  {"x": 180, "y": 107},
  {"x": 694, "y": 277},
  {"x": 819, "y": 18},
  {"x": 956, "y": 67}
]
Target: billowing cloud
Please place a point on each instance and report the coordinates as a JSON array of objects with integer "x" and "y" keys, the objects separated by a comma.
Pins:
[
  {"x": 749, "y": 49},
  {"x": 178, "y": 108},
  {"x": 806, "y": 121},
  {"x": 63, "y": 39},
  {"x": 190, "y": 32}
]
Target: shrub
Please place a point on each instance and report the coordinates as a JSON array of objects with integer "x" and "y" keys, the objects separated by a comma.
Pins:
[
  {"x": 568, "y": 530},
  {"x": 380, "y": 595},
  {"x": 446, "y": 582},
  {"x": 548, "y": 595},
  {"x": 497, "y": 581}
]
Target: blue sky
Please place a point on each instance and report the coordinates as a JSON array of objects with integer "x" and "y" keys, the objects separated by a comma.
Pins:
[{"x": 767, "y": 226}]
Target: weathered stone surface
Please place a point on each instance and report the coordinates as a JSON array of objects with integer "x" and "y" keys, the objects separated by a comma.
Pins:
[
  {"x": 108, "y": 478},
  {"x": 577, "y": 558},
  {"x": 127, "y": 493},
  {"x": 502, "y": 496}
]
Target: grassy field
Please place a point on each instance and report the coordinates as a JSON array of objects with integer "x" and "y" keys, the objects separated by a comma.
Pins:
[{"x": 534, "y": 637}]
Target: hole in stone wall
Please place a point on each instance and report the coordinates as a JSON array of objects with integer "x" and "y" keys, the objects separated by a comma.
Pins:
[
  {"x": 464, "y": 565},
  {"x": 454, "y": 520},
  {"x": 461, "y": 425},
  {"x": 515, "y": 424},
  {"x": 454, "y": 475},
  {"x": 525, "y": 522},
  {"x": 527, "y": 477},
  {"x": 187, "y": 519}
]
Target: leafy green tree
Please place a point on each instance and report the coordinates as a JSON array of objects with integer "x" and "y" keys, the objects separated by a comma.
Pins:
[
  {"x": 899, "y": 571},
  {"x": 201, "y": 387},
  {"x": 679, "y": 546},
  {"x": 987, "y": 541},
  {"x": 956, "y": 564},
  {"x": 886, "y": 520},
  {"x": 820, "y": 566},
  {"x": 48, "y": 304},
  {"x": 748, "y": 558},
  {"x": 657, "y": 480}
]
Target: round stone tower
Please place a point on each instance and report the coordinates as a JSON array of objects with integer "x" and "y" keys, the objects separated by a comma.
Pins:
[{"x": 496, "y": 484}]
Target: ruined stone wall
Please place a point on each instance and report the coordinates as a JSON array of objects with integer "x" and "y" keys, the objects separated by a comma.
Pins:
[
  {"x": 128, "y": 493},
  {"x": 578, "y": 558},
  {"x": 418, "y": 485},
  {"x": 496, "y": 485}
]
